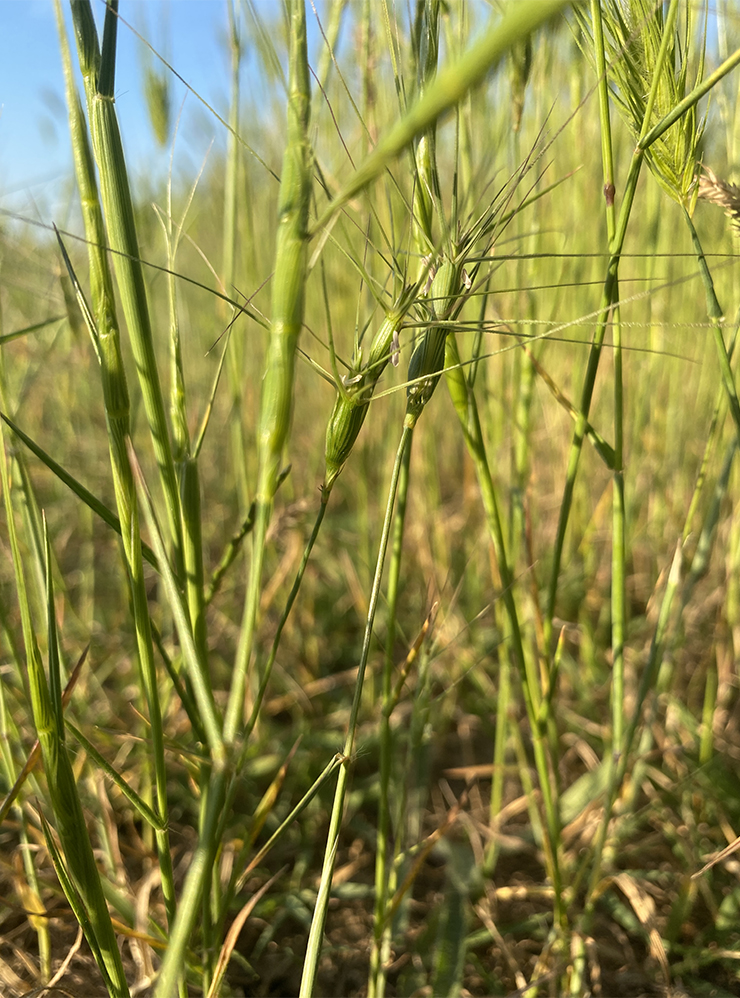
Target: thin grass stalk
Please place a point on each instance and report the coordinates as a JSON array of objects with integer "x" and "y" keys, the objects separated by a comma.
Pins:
[
  {"x": 195, "y": 666},
  {"x": 327, "y": 57},
  {"x": 463, "y": 399},
  {"x": 91, "y": 501},
  {"x": 426, "y": 200},
  {"x": 76, "y": 902},
  {"x": 40, "y": 925},
  {"x": 313, "y": 949},
  {"x": 520, "y": 64},
  {"x": 235, "y": 349},
  {"x": 656, "y": 651},
  {"x": 503, "y": 700},
  {"x": 689, "y": 101},
  {"x": 214, "y": 792},
  {"x": 288, "y": 299},
  {"x": 716, "y": 317},
  {"x": 609, "y": 296},
  {"x": 115, "y": 395},
  {"x": 30, "y": 509},
  {"x": 425, "y": 40},
  {"x": 145, "y": 812},
  {"x": 192, "y": 542},
  {"x": 290, "y": 818},
  {"x": 267, "y": 670},
  {"x": 384, "y": 869},
  {"x": 178, "y": 408},
  {"x": 676, "y": 189},
  {"x": 618, "y": 560},
  {"x": 193, "y": 555},
  {"x": 266, "y": 673},
  {"x": 31, "y": 513},
  {"x": 698, "y": 568},
  {"x": 449, "y": 87},
  {"x": 618, "y": 598},
  {"x": 623, "y": 763},
  {"x": 425, "y": 368},
  {"x": 99, "y": 76},
  {"x": 192, "y": 546},
  {"x": 715, "y": 426},
  {"x": 116, "y": 399},
  {"x": 190, "y": 903},
  {"x": 503, "y": 697},
  {"x": 62, "y": 789}
]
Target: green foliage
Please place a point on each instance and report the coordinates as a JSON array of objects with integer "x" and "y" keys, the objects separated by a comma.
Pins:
[{"x": 525, "y": 719}]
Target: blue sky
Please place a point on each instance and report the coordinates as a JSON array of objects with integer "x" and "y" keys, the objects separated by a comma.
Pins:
[{"x": 35, "y": 158}]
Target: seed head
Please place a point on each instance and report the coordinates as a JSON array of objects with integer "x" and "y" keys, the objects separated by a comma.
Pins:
[{"x": 720, "y": 192}]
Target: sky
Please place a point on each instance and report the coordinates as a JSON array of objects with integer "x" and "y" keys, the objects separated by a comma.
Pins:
[{"x": 35, "y": 156}]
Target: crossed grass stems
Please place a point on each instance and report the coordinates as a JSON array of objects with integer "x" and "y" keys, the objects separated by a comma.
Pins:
[{"x": 454, "y": 268}]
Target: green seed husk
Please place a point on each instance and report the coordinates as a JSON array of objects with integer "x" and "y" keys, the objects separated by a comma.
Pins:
[
  {"x": 351, "y": 405},
  {"x": 99, "y": 76},
  {"x": 288, "y": 299},
  {"x": 427, "y": 361}
]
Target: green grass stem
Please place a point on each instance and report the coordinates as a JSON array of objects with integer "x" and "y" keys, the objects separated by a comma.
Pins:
[
  {"x": 62, "y": 789},
  {"x": 313, "y": 949},
  {"x": 385, "y": 878},
  {"x": 449, "y": 87},
  {"x": 463, "y": 400},
  {"x": 288, "y": 299},
  {"x": 103, "y": 329},
  {"x": 235, "y": 350},
  {"x": 98, "y": 73}
]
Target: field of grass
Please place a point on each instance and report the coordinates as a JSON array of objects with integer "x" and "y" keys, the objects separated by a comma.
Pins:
[{"x": 371, "y": 538}]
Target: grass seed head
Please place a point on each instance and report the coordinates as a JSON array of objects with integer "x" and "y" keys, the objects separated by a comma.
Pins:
[
  {"x": 641, "y": 65},
  {"x": 427, "y": 360},
  {"x": 351, "y": 404},
  {"x": 720, "y": 192}
]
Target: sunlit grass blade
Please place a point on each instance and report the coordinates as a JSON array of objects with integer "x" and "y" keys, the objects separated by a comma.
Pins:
[
  {"x": 463, "y": 399},
  {"x": 128, "y": 792},
  {"x": 77, "y": 904},
  {"x": 313, "y": 949},
  {"x": 196, "y": 667},
  {"x": 102, "y": 324},
  {"x": 232, "y": 935},
  {"x": 217, "y": 776},
  {"x": 450, "y": 86},
  {"x": 98, "y": 71},
  {"x": 27, "y": 330},
  {"x": 259, "y": 856},
  {"x": 99, "y": 508},
  {"x": 65, "y": 802},
  {"x": 35, "y": 754},
  {"x": 288, "y": 301}
]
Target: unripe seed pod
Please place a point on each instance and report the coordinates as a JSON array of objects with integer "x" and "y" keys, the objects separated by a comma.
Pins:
[
  {"x": 427, "y": 360},
  {"x": 342, "y": 430},
  {"x": 350, "y": 406}
]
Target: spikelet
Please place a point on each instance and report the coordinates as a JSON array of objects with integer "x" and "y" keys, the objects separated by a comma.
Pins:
[{"x": 720, "y": 192}]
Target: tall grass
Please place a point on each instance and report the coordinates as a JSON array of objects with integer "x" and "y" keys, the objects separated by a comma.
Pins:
[{"x": 413, "y": 613}]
